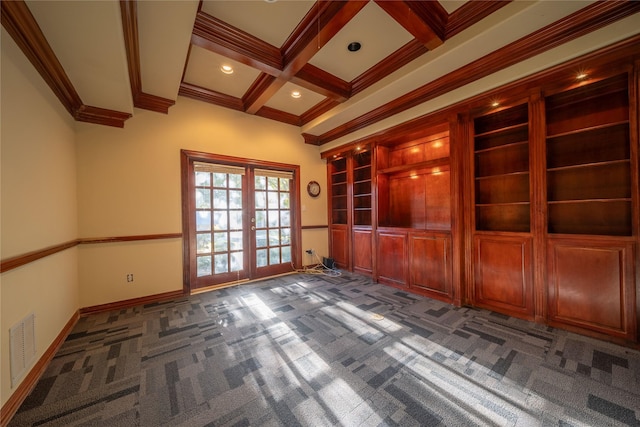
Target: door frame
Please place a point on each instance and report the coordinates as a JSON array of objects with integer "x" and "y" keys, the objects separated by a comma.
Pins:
[{"x": 187, "y": 158}]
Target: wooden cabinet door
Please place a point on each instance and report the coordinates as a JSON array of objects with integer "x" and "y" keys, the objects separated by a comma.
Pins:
[
  {"x": 503, "y": 274},
  {"x": 392, "y": 258},
  {"x": 362, "y": 251},
  {"x": 430, "y": 265},
  {"x": 591, "y": 285},
  {"x": 340, "y": 246}
]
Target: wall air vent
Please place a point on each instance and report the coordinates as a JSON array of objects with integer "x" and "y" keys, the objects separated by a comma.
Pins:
[{"x": 22, "y": 347}]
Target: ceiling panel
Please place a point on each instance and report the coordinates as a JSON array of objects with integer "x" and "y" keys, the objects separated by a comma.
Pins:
[
  {"x": 204, "y": 70},
  {"x": 283, "y": 100},
  {"x": 336, "y": 59},
  {"x": 270, "y": 21},
  {"x": 164, "y": 30}
]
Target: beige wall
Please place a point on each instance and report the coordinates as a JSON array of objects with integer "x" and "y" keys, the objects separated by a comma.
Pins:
[
  {"x": 38, "y": 206},
  {"x": 129, "y": 184},
  {"x": 63, "y": 180}
]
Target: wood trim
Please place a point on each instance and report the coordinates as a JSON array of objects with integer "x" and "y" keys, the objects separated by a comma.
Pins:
[
  {"x": 134, "y": 238},
  {"x": 313, "y": 227},
  {"x": 100, "y": 116},
  {"x": 261, "y": 90},
  {"x": 150, "y": 102},
  {"x": 119, "y": 305},
  {"x": 580, "y": 23},
  {"x": 20, "y": 260},
  {"x": 24, "y": 30},
  {"x": 210, "y": 96},
  {"x": 219, "y": 37},
  {"x": 316, "y": 111},
  {"x": 129, "y": 14},
  {"x": 469, "y": 14},
  {"x": 322, "y": 82},
  {"x": 424, "y": 20},
  {"x": 28, "y": 383},
  {"x": 391, "y": 63},
  {"x": 311, "y": 139},
  {"x": 279, "y": 115}
]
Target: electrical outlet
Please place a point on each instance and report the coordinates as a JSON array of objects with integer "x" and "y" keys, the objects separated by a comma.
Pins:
[{"x": 130, "y": 277}]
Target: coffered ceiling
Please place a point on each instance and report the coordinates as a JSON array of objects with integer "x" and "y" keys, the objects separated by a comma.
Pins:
[{"x": 105, "y": 59}]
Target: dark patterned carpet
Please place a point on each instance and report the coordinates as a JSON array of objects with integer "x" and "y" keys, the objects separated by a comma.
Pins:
[{"x": 313, "y": 350}]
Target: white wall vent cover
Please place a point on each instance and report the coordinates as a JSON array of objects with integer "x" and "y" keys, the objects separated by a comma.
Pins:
[{"x": 22, "y": 347}]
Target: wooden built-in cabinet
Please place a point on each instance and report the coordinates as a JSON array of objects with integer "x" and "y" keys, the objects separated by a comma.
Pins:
[
  {"x": 351, "y": 209},
  {"x": 553, "y": 214},
  {"x": 398, "y": 195},
  {"x": 414, "y": 213},
  {"x": 526, "y": 202},
  {"x": 591, "y": 183},
  {"x": 502, "y": 240},
  {"x": 339, "y": 212}
]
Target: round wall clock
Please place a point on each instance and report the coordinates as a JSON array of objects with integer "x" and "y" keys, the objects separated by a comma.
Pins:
[{"x": 313, "y": 188}]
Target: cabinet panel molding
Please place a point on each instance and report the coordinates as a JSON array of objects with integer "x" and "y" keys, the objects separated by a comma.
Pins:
[
  {"x": 591, "y": 285},
  {"x": 503, "y": 274},
  {"x": 392, "y": 258},
  {"x": 340, "y": 246},
  {"x": 362, "y": 251},
  {"x": 430, "y": 265}
]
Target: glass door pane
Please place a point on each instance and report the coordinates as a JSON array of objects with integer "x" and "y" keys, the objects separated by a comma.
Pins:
[
  {"x": 220, "y": 241},
  {"x": 272, "y": 215}
]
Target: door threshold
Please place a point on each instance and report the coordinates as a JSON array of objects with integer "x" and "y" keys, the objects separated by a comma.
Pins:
[{"x": 236, "y": 282}]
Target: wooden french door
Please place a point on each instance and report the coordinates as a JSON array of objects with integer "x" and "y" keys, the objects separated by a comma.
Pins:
[{"x": 240, "y": 219}]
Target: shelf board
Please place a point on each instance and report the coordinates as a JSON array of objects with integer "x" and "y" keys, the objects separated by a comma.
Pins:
[
  {"x": 357, "y": 168},
  {"x": 421, "y": 165},
  {"x": 502, "y": 129},
  {"x": 578, "y": 201},
  {"x": 361, "y": 181},
  {"x": 362, "y": 195},
  {"x": 482, "y": 205},
  {"x": 588, "y": 165},
  {"x": 502, "y": 175},
  {"x": 587, "y": 129},
  {"x": 501, "y": 147}
]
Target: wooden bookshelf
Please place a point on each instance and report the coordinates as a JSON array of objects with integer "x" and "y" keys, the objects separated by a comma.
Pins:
[
  {"x": 501, "y": 167},
  {"x": 338, "y": 180},
  {"x": 362, "y": 188},
  {"x": 414, "y": 183},
  {"x": 588, "y": 159}
]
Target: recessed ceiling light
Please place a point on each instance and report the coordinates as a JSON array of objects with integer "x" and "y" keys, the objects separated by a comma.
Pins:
[
  {"x": 227, "y": 69},
  {"x": 495, "y": 104},
  {"x": 296, "y": 94},
  {"x": 581, "y": 76},
  {"x": 354, "y": 46},
  {"x": 270, "y": 1}
]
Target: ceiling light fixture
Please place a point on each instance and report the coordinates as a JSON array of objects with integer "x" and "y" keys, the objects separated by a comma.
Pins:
[
  {"x": 296, "y": 94},
  {"x": 581, "y": 75},
  {"x": 227, "y": 69},
  {"x": 354, "y": 46}
]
